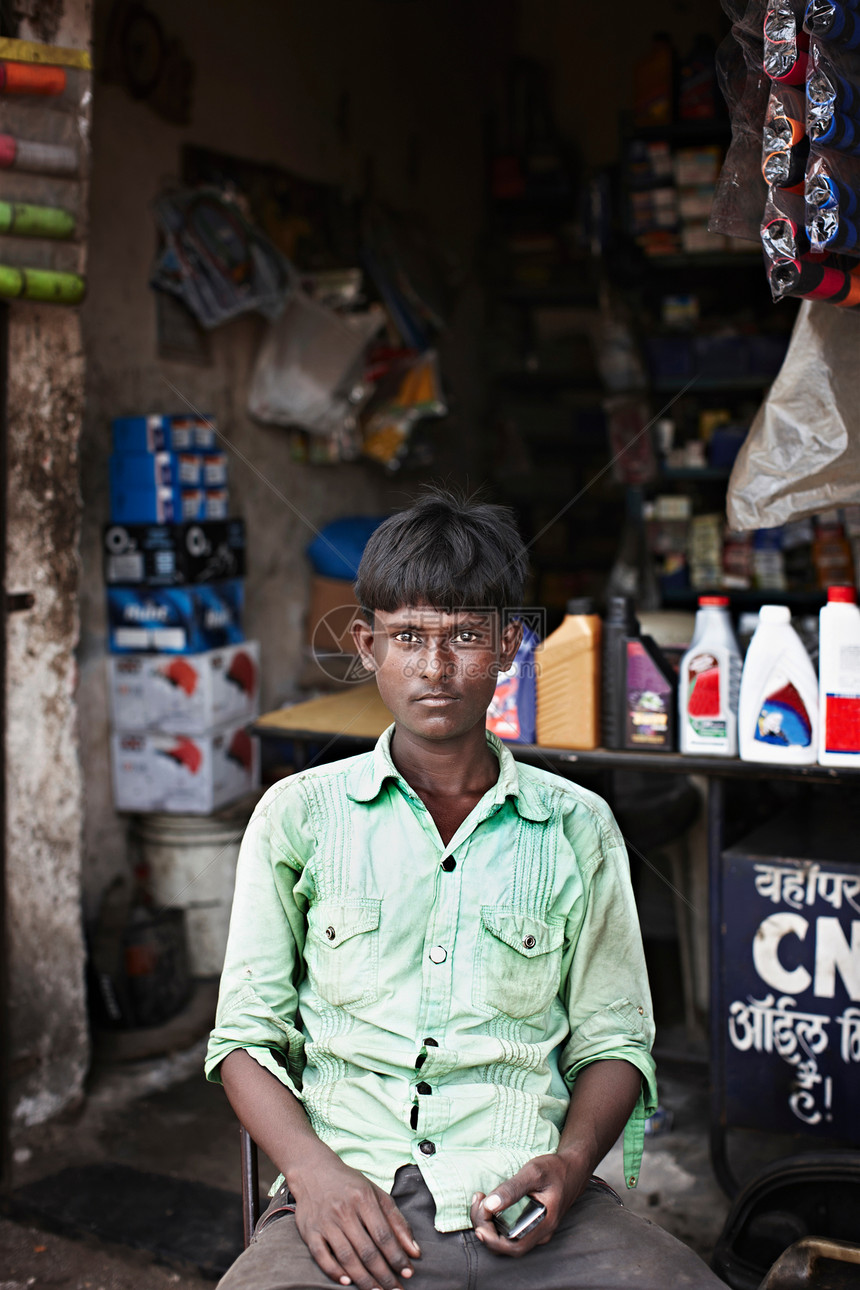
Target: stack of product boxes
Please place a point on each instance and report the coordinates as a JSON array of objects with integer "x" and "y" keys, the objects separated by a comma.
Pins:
[{"x": 184, "y": 682}]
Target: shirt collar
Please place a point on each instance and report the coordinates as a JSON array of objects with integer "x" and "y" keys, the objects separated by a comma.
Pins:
[{"x": 367, "y": 776}]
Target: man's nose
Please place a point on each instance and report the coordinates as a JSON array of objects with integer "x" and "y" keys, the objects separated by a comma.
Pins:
[{"x": 435, "y": 660}]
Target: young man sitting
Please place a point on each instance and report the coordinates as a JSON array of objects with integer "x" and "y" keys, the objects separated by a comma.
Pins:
[{"x": 434, "y": 1002}]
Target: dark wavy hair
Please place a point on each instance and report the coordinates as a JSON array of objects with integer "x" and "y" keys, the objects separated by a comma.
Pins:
[{"x": 446, "y": 550}]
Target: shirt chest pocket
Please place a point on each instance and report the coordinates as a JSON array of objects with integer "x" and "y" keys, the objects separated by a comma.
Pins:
[
  {"x": 342, "y": 950},
  {"x": 518, "y": 964}
]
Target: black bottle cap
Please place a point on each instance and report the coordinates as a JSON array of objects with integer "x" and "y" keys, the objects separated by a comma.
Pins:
[{"x": 580, "y": 605}]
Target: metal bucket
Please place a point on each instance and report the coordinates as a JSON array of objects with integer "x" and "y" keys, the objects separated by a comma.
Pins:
[{"x": 190, "y": 863}]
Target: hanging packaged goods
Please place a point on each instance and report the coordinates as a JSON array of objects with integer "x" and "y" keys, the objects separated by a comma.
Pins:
[
  {"x": 31, "y": 78},
  {"x": 37, "y": 158},
  {"x": 41, "y": 284},
  {"x": 810, "y": 143},
  {"x": 45, "y": 93}
]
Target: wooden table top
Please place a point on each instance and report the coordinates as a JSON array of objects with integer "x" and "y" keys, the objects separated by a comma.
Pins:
[{"x": 355, "y": 711}]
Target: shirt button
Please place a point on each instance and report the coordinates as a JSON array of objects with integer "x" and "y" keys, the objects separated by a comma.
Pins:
[
  {"x": 330, "y": 933},
  {"x": 641, "y": 1012},
  {"x": 449, "y": 863},
  {"x": 427, "y": 1148},
  {"x": 529, "y": 942},
  {"x": 438, "y": 954},
  {"x": 431, "y": 1043},
  {"x": 424, "y": 1087}
]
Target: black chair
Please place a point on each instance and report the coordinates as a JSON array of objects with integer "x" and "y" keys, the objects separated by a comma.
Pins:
[{"x": 250, "y": 1185}]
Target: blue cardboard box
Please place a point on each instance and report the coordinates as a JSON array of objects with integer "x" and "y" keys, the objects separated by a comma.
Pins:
[
  {"x": 164, "y": 434},
  {"x": 141, "y": 471},
  {"x": 175, "y": 620},
  {"x": 168, "y": 505}
]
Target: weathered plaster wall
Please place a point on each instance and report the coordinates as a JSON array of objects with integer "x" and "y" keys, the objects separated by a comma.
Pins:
[
  {"x": 49, "y": 1037},
  {"x": 270, "y": 89}
]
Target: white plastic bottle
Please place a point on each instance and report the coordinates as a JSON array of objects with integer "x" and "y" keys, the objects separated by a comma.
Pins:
[
  {"x": 839, "y": 679},
  {"x": 778, "y": 713},
  {"x": 709, "y": 683}
]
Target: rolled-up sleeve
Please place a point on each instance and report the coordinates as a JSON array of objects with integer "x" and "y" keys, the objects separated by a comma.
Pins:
[
  {"x": 606, "y": 982},
  {"x": 257, "y": 1003}
]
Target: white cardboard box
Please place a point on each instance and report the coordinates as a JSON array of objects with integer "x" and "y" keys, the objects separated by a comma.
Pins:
[
  {"x": 183, "y": 774},
  {"x": 185, "y": 694}
]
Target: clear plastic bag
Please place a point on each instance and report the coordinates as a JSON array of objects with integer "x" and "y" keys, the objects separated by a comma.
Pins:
[
  {"x": 784, "y": 142},
  {"x": 802, "y": 454},
  {"x": 741, "y": 190},
  {"x": 833, "y": 99},
  {"x": 783, "y": 226},
  {"x": 301, "y": 376},
  {"x": 833, "y": 203},
  {"x": 785, "y": 54}
]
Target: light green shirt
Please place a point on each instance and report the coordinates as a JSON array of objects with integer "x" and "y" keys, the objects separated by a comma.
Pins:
[{"x": 449, "y": 995}]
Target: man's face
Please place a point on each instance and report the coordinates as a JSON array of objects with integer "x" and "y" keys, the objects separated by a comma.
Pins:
[{"x": 436, "y": 671}]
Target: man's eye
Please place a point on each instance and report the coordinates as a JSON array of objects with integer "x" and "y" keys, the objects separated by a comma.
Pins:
[
  {"x": 407, "y": 637},
  {"x": 468, "y": 637}
]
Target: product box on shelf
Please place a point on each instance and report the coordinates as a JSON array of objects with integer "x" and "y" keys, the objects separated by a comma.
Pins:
[
  {"x": 175, "y": 620},
  {"x": 173, "y": 554},
  {"x": 164, "y": 434},
  {"x": 187, "y": 694},
  {"x": 162, "y": 505},
  {"x": 215, "y": 504},
  {"x": 213, "y": 469},
  {"x": 140, "y": 472},
  {"x": 181, "y": 774}
]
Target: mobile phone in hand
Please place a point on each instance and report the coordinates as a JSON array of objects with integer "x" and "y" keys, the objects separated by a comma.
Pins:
[{"x": 516, "y": 1221}]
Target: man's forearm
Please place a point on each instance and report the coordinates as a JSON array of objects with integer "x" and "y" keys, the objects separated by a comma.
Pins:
[
  {"x": 274, "y": 1118},
  {"x": 353, "y": 1229},
  {"x": 602, "y": 1101}
]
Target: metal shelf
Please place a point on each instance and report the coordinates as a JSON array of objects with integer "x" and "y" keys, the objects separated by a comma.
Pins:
[{"x": 706, "y": 384}]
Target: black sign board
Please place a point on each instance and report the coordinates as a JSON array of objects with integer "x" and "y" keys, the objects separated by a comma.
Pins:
[{"x": 791, "y": 975}]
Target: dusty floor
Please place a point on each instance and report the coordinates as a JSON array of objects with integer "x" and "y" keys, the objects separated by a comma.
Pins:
[{"x": 160, "y": 1115}]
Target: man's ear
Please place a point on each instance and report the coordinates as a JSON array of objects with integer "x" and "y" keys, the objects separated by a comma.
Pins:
[
  {"x": 362, "y": 634},
  {"x": 512, "y": 635}
]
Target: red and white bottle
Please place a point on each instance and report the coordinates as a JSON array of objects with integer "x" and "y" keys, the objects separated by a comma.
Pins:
[
  {"x": 839, "y": 679},
  {"x": 709, "y": 683}
]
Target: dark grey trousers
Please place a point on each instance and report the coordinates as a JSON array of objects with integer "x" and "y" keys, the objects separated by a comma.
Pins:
[{"x": 599, "y": 1245}]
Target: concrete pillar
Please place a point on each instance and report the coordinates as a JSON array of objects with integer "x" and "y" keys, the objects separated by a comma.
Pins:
[{"x": 49, "y": 1040}]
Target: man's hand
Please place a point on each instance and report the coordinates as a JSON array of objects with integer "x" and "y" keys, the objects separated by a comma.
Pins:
[
  {"x": 353, "y": 1229},
  {"x": 603, "y": 1097},
  {"x": 554, "y": 1180}
]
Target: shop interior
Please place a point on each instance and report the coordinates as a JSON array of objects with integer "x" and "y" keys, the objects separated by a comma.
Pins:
[{"x": 349, "y": 250}]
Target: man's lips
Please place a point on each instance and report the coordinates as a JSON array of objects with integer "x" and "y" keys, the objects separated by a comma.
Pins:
[{"x": 437, "y": 697}]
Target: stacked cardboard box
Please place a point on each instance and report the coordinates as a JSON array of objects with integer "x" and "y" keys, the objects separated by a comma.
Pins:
[
  {"x": 164, "y": 469},
  {"x": 183, "y": 681}
]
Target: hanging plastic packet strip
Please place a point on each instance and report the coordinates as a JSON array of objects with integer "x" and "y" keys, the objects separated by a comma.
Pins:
[
  {"x": 834, "y": 22},
  {"x": 833, "y": 100},
  {"x": 811, "y": 278},
  {"x": 785, "y": 143},
  {"x": 832, "y": 184},
  {"x": 23, "y": 82},
  {"x": 786, "y": 45},
  {"x": 783, "y": 226},
  {"x": 833, "y": 203},
  {"x": 830, "y": 230}
]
